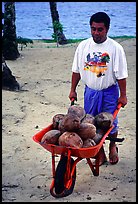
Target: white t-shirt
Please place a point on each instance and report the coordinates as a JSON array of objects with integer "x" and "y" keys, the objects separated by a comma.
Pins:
[{"x": 100, "y": 65}]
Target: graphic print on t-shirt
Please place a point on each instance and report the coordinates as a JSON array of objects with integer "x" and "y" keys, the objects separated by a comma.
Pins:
[{"x": 97, "y": 63}]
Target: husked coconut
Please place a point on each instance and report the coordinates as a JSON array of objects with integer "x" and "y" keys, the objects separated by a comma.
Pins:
[
  {"x": 56, "y": 120},
  {"x": 61, "y": 127},
  {"x": 103, "y": 120},
  {"x": 88, "y": 119},
  {"x": 70, "y": 139},
  {"x": 88, "y": 143},
  {"x": 70, "y": 123},
  {"x": 97, "y": 138},
  {"x": 77, "y": 110},
  {"x": 51, "y": 137},
  {"x": 86, "y": 130},
  {"x": 99, "y": 134}
]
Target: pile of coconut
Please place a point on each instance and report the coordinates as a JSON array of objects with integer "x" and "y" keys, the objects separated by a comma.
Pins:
[{"x": 78, "y": 129}]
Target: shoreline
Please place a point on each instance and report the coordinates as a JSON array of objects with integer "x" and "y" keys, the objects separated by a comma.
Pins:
[{"x": 50, "y": 40}]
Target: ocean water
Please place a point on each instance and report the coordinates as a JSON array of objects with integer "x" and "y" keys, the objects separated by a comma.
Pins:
[{"x": 33, "y": 19}]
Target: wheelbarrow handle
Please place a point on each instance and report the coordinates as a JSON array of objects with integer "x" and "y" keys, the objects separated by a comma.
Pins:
[
  {"x": 117, "y": 110},
  {"x": 115, "y": 139},
  {"x": 72, "y": 101},
  {"x": 114, "y": 116}
]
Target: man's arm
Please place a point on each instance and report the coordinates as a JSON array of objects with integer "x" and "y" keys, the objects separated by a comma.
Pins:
[
  {"x": 74, "y": 82},
  {"x": 122, "y": 86}
]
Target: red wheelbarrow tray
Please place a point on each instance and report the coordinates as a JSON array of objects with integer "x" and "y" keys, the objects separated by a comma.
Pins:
[{"x": 76, "y": 152}]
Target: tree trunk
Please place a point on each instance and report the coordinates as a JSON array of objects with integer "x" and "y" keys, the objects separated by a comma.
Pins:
[
  {"x": 55, "y": 19},
  {"x": 9, "y": 81},
  {"x": 9, "y": 43}
]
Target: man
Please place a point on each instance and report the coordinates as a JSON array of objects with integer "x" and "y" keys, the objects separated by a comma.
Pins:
[{"x": 100, "y": 63}]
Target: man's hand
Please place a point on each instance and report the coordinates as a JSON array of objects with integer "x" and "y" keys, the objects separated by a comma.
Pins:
[
  {"x": 122, "y": 100},
  {"x": 74, "y": 82},
  {"x": 73, "y": 95}
]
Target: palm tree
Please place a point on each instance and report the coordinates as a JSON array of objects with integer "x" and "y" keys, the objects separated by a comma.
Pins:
[
  {"x": 57, "y": 27},
  {"x": 9, "y": 39}
]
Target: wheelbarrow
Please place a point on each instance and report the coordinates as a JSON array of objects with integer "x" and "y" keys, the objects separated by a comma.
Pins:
[{"x": 64, "y": 174}]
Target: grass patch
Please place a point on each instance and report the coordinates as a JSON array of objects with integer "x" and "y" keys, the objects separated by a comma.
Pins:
[
  {"x": 79, "y": 40},
  {"x": 68, "y": 40},
  {"x": 124, "y": 36}
]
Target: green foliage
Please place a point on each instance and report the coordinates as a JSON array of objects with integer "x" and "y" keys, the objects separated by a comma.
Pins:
[
  {"x": 58, "y": 28},
  {"x": 68, "y": 40},
  {"x": 23, "y": 41}
]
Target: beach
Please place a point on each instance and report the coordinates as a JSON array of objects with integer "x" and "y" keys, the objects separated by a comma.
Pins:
[{"x": 44, "y": 73}]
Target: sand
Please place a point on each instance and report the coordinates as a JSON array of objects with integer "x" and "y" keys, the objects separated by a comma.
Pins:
[{"x": 44, "y": 73}]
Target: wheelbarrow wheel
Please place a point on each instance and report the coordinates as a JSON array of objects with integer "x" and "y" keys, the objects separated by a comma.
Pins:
[{"x": 60, "y": 187}]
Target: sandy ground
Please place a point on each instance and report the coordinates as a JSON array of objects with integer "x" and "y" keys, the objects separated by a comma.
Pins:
[{"x": 44, "y": 72}]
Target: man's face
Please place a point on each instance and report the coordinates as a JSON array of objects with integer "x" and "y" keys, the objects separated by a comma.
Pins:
[{"x": 99, "y": 32}]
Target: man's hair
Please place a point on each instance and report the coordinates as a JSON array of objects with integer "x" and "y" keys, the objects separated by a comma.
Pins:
[{"x": 100, "y": 17}]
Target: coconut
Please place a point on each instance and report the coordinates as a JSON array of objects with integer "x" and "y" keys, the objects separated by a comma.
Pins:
[
  {"x": 103, "y": 120},
  {"x": 99, "y": 134},
  {"x": 69, "y": 123},
  {"x": 88, "y": 143},
  {"x": 70, "y": 139},
  {"x": 86, "y": 130},
  {"x": 88, "y": 119},
  {"x": 77, "y": 110},
  {"x": 51, "y": 137},
  {"x": 56, "y": 120}
]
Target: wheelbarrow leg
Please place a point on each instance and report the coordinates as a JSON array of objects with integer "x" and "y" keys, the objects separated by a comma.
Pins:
[
  {"x": 53, "y": 165},
  {"x": 94, "y": 167}
]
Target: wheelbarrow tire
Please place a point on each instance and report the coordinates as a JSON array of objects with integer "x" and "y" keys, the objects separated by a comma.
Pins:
[{"x": 59, "y": 178}]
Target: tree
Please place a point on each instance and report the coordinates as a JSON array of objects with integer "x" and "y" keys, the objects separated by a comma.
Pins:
[
  {"x": 57, "y": 27},
  {"x": 9, "y": 39},
  {"x": 9, "y": 81}
]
